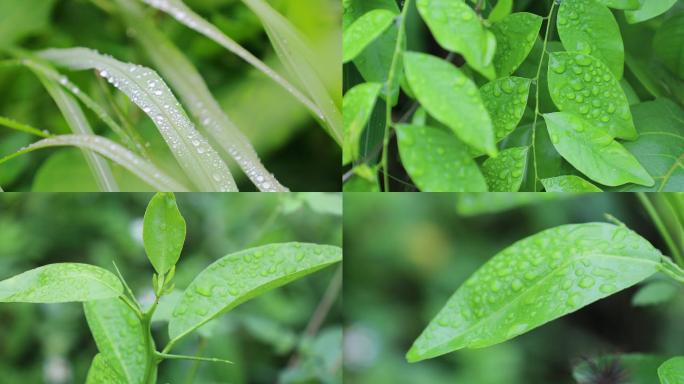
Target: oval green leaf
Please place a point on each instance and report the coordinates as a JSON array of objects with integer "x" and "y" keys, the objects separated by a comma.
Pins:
[
  {"x": 119, "y": 336},
  {"x": 451, "y": 98},
  {"x": 457, "y": 28},
  {"x": 515, "y": 37},
  {"x": 672, "y": 371},
  {"x": 163, "y": 232},
  {"x": 589, "y": 27},
  {"x": 569, "y": 183},
  {"x": 505, "y": 99},
  {"x": 243, "y": 275},
  {"x": 437, "y": 161},
  {"x": 583, "y": 85},
  {"x": 505, "y": 172},
  {"x": 536, "y": 280},
  {"x": 60, "y": 283},
  {"x": 594, "y": 152},
  {"x": 667, "y": 44},
  {"x": 648, "y": 10},
  {"x": 502, "y": 9},
  {"x": 621, "y": 4},
  {"x": 101, "y": 373},
  {"x": 358, "y": 105},
  {"x": 364, "y": 31}
]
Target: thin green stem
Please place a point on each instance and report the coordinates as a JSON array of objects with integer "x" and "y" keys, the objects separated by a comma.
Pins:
[
  {"x": 9, "y": 123},
  {"x": 660, "y": 225},
  {"x": 128, "y": 289},
  {"x": 671, "y": 269},
  {"x": 536, "y": 93},
  {"x": 389, "y": 87},
  {"x": 166, "y": 356},
  {"x": 152, "y": 360}
]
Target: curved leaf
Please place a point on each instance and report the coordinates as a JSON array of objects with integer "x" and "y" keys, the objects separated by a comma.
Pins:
[
  {"x": 648, "y": 10},
  {"x": 672, "y": 371},
  {"x": 536, "y": 280},
  {"x": 364, "y": 31},
  {"x": 357, "y": 107},
  {"x": 621, "y": 4},
  {"x": 457, "y": 28},
  {"x": 243, "y": 275},
  {"x": 502, "y": 9},
  {"x": 60, "y": 283},
  {"x": 146, "y": 89},
  {"x": 505, "y": 172},
  {"x": 515, "y": 37},
  {"x": 583, "y": 85},
  {"x": 667, "y": 44},
  {"x": 452, "y": 98},
  {"x": 437, "y": 161},
  {"x": 593, "y": 152},
  {"x": 570, "y": 183},
  {"x": 101, "y": 373},
  {"x": 163, "y": 232},
  {"x": 589, "y": 27},
  {"x": 505, "y": 100},
  {"x": 119, "y": 336}
]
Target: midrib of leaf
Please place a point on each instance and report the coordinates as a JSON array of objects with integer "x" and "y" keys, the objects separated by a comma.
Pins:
[
  {"x": 194, "y": 92},
  {"x": 140, "y": 167},
  {"x": 195, "y": 155}
]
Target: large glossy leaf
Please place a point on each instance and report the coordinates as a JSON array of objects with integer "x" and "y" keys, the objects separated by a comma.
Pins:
[
  {"x": 505, "y": 172},
  {"x": 570, "y": 183},
  {"x": 594, "y": 152},
  {"x": 515, "y": 37},
  {"x": 101, "y": 373},
  {"x": 364, "y": 31},
  {"x": 59, "y": 283},
  {"x": 660, "y": 147},
  {"x": 621, "y": 4},
  {"x": 457, "y": 28},
  {"x": 452, "y": 98},
  {"x": 536, "y": 280},
  {"x": 648, "y": 10},
  {"x": 437, "y": 161},
  {"x": 119, "y": 336},
  {"x": 667, "y": 44},
  {"x": 240, "y": 276},
  {"x": 589, "y": 27},
  {"x": 357, "y": 108},
  {"x": 163, "y": 232},
  {"x": 672, "y": 371},
  {"x": 505, "y": 100},
  {"x": 582, "y": 84}
]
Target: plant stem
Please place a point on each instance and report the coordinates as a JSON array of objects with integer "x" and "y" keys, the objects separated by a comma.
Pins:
[
  {"x": 536, "y": 93},
  {"x": 390, "y": 88},
  {"x": 671, "y": 269},
  {"x": 660, "y": 225},
  {"x": 152, "y": 358},
  {"x": 167, "y": 356}
]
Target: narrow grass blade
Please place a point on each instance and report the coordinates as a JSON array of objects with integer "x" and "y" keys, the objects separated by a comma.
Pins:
[
  {"x": 9, "y": 123},
  {"x": 298, "y": 58},
  {"x": 193, "y": 91},
  {"x": 146, "y": 89},
  {"x": 140, "y": 167}
]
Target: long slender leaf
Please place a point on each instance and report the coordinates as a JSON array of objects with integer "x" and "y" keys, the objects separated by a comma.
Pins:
[
  {"x": 9, "y": 123},
  {"x": 140, "y": 167},
  {"x": 189, "y": 85},
  {"x": 145, "y": 88}
]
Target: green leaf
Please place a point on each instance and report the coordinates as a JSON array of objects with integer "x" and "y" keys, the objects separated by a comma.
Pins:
[
  {"x": 515, "y": 37},
  {"x": 536, "y": 280},
  {"x": 437, "y": 161},
  {"x": 569, "y": 183},
  {"x": 660, "y": 146},
  {"x": 589, "y": 27},
  {"x": 505, "y": 172},
  {"x": 474, "y": 204},
  {"x": 621, "y": 4},
  {"x": 163, "y": 232},
  {"x": 667, "y": 44},
  {"x": 502, "y": 9},
  {"x": 357, "y": 108},
  {"x": 505, "y": 99},
  {"x": 19, "y": 19},
  {"x": 655, "y": 292},
  {"x": 101, "y": 373},
  {"x": 639, "y": 368},
  {"x": 354, "y": 9},
  {"x": 323, "y": 202},
  {"x": 60, "y": 283},
  {"x": 648, "y": 10},
  {"x": 364, "y": 31},
  {"x": 451, "y": 98},
  {"x": 457, "y": 28},
  {"x": 119, "y": 336},
  {"x": 672, "y": 371},
  {"x": 583, "y": 85},
  {"x": 364, "y": 179},
  {"x": 241, "y": 276},
  {"x": 594, "y": 152}
]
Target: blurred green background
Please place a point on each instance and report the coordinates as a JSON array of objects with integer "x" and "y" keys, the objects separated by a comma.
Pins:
[
  {"x": 291, "y": 144},
  {"x": 405, "y": 255},
  {"x": 52, "y": 343}
]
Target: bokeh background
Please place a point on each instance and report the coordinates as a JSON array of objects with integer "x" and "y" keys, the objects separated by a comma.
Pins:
[
  {"x": 52, "y": 343},
  {"x": 405, "y": 255},
  {"x": 290, "y": 143}
]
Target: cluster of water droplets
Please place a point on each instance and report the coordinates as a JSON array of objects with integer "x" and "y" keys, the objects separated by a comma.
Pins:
[
  {"x": 505, "y": 100},
  {"x": 504, "y": 172},
  {"x": 515, "y": 37}
]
